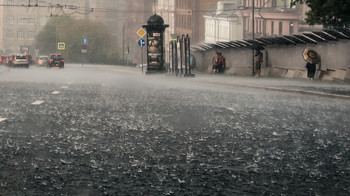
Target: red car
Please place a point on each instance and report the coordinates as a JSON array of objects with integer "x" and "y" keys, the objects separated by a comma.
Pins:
[{"x": 3, "y": 59}]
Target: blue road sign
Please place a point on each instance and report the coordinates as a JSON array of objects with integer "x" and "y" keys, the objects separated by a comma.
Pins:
[
  {"x": 85, "y": 40},
  {"x": 141, "y": 42}
]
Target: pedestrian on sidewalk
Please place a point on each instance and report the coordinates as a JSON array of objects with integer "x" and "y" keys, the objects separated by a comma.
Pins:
[
  {"x": 311, "y": 70},
  {"x": 258, "y": 61},
  {"x": 219, "y": 63},
  {"x": 312, "y": 58}
]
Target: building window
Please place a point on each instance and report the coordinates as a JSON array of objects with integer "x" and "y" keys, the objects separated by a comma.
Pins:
[
  {"x": 42, "y": 5},
  {"x": 272, "y": 27},
  {"x": 30, "y": 35},
  {"x": 260, "y": 26},
  {"x": 21, "y": 3},
  {"x": 264, "y": 27},
  {"x": 31, "y": 20},
  {"x": 21, "y": 20},
  {"x": 20, "y": 35},
  {"x": 10, "y": 35},
  {"x": 291, "y": 28},
  {"x": 42, "y": 20},
  {"x": 274, "y": 3},
  {"x": 10, "y": 19},
  {"x": 10, "y": 4},
  {"x": 280, "y": 28}
]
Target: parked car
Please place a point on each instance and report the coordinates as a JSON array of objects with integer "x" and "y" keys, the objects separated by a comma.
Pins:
[
  {"x": 43, "y": 60},
  {"x": 30, "y": 59},
  {"x": 36, "y": 60},
  {"x": 9, "y": 60},
  {"x": 56, "y": 60},
  {"x": 3, "y": 59},
  {"x": 20, "y": 60}
]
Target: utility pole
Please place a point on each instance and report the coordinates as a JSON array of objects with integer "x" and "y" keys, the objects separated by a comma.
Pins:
[
  {"x": 56, "y": 44},
  {"x": 253, "y": 32},
  {"x": 123, "y": 55}
]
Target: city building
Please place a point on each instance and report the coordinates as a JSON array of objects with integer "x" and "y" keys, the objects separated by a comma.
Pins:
[
  {"x": 224, "y": 22},
  {"x": 271, "y": 18},
  {"x": 232, "y": 20},
  {"x": 185, "y": 17},
  {"x": 20, "y": 21}
]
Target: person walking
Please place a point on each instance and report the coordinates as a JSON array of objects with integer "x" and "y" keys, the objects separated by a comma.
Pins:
[{"x": 258, "y": 61}]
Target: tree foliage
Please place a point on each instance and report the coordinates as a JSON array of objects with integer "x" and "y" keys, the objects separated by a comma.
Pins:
[
  {"x": 329, "y": 13},
  {"x": 101, "y": 46}
]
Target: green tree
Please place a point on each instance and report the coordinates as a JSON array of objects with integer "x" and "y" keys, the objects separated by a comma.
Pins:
[
  {"x": 329, "y": 13},
  {"x": 101, "y": 47}
]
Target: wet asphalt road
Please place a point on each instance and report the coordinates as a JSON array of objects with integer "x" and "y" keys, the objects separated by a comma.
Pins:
[{"x": 113, "y": 131}]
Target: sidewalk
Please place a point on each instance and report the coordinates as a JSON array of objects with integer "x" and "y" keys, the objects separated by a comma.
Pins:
[{"x": 302, "y": 86}]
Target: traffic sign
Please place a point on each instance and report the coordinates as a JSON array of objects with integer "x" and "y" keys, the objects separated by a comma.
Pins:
[
  {"x": 141, "y": 32},
  {"x": 85, "y": 40},
  {"x": 141, "y": 42},
  {"x": 61, "y": 46}
]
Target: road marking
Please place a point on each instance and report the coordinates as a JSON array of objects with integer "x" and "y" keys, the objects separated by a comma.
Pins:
[
  {"x": 55, "y": 92},
  {"x": 2, "y": 119},
  {"x": 37, "y": 102},
  {"x": 64, "y": 87}
]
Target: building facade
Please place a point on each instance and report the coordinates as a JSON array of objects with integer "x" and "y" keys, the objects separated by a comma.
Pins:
[
  {"x": 185, "y": 17},
  {"x": 232, "y": 20},
  {"x": 20, "y": 21},
  {"x": 224, "y": 22},
  {"x": 271, "y": 18}
]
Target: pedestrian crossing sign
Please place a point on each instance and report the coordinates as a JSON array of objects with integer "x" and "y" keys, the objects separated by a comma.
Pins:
[{"x": 61, "y": 46}]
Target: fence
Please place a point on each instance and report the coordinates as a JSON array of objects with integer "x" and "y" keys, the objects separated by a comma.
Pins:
[{"x": 180, "y": 56}]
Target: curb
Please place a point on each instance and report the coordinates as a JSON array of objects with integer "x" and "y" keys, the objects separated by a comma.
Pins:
[{"x": 296, "y": 91}]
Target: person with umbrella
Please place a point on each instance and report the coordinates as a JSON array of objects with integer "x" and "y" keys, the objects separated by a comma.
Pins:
[{"x": 311, "y": 58}]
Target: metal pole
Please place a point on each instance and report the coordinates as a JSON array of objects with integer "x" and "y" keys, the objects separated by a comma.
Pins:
[
  {"x": 181, "y": 52},
  {"x": 253, "y": 32},
  {"x": 169, "y": 62},
  {"x": 172, "y": 57},
  {"x": 56, "y": 44},
  {"x": 123, "y": 55},
  {"x": 189, "y": 54},
  {"x": 176, "y": 59},
  {"x": 142, "y": 58},
  {"x": 186, "y": 49}
]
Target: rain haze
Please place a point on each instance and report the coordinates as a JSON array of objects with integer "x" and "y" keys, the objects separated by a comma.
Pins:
[{"x": 168, "y": 97}]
